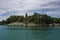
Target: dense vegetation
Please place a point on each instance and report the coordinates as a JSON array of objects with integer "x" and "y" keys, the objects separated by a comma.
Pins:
[{"x": 35, "y": 18}]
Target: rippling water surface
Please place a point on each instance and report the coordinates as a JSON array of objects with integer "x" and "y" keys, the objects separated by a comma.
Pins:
[{"x": 22, "y": 33}]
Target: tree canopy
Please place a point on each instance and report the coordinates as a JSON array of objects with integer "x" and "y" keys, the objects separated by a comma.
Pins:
[{"x": 35, "y": 18}]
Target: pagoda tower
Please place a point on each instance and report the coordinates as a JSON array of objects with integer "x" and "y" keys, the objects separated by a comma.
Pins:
[{"x": 26, "y": 20}]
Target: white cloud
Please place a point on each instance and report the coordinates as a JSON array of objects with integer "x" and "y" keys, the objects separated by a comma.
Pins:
[{"x": 23, "y": 6}]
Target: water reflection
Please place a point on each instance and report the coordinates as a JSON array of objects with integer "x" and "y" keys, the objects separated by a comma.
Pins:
[
  {"x": 41, "y": 34},
  {"x": 15, "y": 33},
  {"x": 25, "y": 28}
]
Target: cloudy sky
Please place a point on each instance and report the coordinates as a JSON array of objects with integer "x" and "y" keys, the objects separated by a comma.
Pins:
[{"x": 20, "y": 7}]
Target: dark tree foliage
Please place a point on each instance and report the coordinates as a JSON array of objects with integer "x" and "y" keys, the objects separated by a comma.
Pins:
[
  {"x": 36, "y": 18},
  {"x": 15, "y": 19}
]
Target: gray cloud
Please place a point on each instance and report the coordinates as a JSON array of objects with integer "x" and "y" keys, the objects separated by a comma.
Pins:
[{"x": 20, "y": 7}]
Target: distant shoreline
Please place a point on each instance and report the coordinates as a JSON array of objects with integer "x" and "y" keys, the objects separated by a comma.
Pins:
[
  {"x": 34, "y": 20},
  {"x": 30, "y": 24}
]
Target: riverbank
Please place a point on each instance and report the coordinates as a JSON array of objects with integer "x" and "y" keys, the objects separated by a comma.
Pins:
[
  {"x": 21, "y": 24},
  {"x": 31, "y": 24}
]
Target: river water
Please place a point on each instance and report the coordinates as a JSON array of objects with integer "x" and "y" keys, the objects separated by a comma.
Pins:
[{"x": 11, "y": 33}]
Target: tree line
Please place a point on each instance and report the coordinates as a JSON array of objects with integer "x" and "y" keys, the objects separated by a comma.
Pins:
[{"x": 35, "y": 18}]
